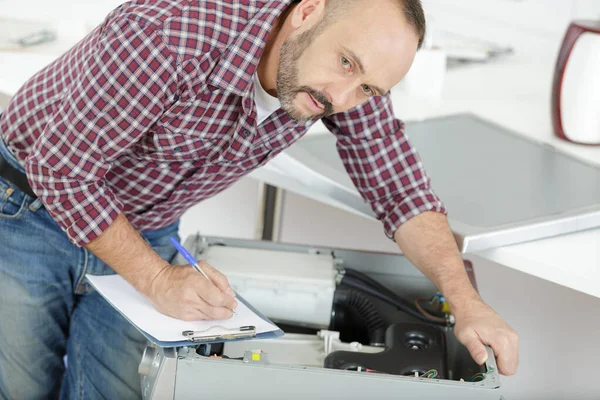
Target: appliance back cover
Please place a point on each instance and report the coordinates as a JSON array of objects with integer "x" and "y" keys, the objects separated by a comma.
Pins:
[{"x": 500, "y": 188}]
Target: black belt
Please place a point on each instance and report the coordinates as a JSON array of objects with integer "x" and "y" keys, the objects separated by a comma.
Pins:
[{"x": 15, "y": 176}]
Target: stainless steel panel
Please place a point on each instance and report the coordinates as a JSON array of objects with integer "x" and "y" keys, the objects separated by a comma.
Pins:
[
  {"x": 500, "y": 188},
  {"x": 296, "y": 375},
  {"x": 201, "y": 377}
]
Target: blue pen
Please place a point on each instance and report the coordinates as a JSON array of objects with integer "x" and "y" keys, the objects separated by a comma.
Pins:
[{"x": 190, "y": 259}]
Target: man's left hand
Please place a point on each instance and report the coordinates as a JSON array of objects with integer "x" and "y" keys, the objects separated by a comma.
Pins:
[{"x": 478, "y": 325}]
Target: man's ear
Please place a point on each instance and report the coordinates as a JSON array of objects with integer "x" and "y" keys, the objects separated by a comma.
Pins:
[{"x": 307, "y": 12}]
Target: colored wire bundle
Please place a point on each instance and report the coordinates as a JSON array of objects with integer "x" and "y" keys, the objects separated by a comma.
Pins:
[
  {"x": 478, "y": 377},
  {"x": 432, "y": 373},
  {"x": 427, "y": 314}
]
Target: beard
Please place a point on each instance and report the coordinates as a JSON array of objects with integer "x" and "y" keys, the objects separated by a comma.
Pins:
[{"x": 288, "y": 86}]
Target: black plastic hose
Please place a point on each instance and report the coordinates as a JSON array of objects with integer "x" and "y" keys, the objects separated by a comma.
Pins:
[
  {"x": 368, "y": 312},
  {"x": 366, "y": 284},
  {"x": 361, "y": 276}
]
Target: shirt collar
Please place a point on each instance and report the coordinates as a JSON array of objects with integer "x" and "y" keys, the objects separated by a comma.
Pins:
[{"x": 238, "y": 62}]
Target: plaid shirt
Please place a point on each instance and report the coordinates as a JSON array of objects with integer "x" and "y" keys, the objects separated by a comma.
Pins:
[{"x": 153, "y": 111}]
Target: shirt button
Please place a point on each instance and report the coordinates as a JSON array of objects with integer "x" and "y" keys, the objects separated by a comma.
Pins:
[
  {"x": 246, "y": 132},
  {"x": 178, "y": 149},
  {"x": 176, "y": 98}
]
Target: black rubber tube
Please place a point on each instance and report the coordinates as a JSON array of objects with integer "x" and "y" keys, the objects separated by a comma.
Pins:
[
  {"x": 368, "y": 312},
  {"x": 388, "y": 296},
  {"x": 352, "y": 273}
]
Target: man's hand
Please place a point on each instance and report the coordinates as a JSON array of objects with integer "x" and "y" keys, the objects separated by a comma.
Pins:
[
  {"x": 178, "y": 291},
  {"x": 426, "y": 240},
  {"x": 478, "y": 325},
  {"x": 181, "y": 292}
]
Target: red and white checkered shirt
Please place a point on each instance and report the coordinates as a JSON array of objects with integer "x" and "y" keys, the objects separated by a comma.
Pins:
[{"x": 153, "y": 112}]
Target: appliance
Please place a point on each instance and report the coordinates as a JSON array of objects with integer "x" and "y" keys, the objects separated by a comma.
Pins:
[
  {"x": 500, "y": 187},
  {"x": 576, "y": 88},
  {"x": 377, "y": 340}
]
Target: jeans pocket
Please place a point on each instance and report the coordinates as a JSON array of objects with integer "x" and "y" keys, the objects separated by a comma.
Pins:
[{"x": 13, "y": 202}]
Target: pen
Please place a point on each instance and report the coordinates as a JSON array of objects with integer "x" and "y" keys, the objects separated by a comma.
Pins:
[{"x": 191, "y": 260}]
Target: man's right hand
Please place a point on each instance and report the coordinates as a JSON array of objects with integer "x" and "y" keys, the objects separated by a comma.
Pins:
[
  {"x": 178, "y": 291},
  {"x": 181, "y": 292}
]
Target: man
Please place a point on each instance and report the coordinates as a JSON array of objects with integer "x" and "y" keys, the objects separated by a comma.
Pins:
[{"x": 168, "y": 103}]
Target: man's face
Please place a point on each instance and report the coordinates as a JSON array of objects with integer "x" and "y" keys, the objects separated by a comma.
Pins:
[{"x": 333, "y": 68}]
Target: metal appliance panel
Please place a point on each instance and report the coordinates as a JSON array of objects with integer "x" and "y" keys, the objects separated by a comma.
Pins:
[
  {"x": 183, "y": 374},
  {"x": 500, "y": 188}
]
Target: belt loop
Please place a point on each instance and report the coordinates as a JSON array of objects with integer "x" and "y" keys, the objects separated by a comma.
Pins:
[{"x": 35, "y": 205}]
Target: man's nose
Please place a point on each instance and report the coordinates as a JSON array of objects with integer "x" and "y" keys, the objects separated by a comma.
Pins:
[{"x": 340, "y": 93}]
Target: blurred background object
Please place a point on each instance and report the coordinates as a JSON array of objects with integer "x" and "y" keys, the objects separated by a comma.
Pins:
[
  {"x": 4, "y": 99},
  {"x": 576, "y": 88},
  {"x": 16, "y": 34}
]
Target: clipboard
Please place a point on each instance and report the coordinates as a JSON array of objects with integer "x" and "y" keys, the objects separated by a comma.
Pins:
[
  {"x": 243, "y": 332},
  {"x": 199, "y": 337},
  {"x": 132, "y": 303}
]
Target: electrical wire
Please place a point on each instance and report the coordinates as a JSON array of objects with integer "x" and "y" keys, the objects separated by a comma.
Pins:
[
  {"x": 432, "y": 373},
  {"x": 478, "y": 377},
  {"x": 427, "y": 314}
]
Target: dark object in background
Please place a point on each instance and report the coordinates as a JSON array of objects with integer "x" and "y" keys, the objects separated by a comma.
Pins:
[{"x": 576, "y": 86}]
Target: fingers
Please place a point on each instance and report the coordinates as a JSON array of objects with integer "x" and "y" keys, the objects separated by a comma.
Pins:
[
  {"x": 194, "y": 306},
  {"x": 479, "y": 325},
  {"x": 214, "y": 296},
  {"x": 183, "y": 293},
  {"x": 212, "y": 291},
  {"x": 214, "y": 312},
  {"x": 506, "y": 348},
  {"x": 477, "y": 350},
  {"x": 504, "y": 342},
  {"x": 217, "y": 278}
]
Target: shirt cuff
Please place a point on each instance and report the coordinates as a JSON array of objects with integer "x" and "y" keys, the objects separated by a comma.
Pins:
[
  {"x": 93, "y": 219},
  {"x": 414, "y": 204}
]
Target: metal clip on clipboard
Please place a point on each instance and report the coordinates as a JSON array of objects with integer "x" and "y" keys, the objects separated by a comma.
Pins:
[{"x": 243, "y": 332}]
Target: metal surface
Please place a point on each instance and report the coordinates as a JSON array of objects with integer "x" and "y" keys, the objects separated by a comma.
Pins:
[
  {"x": 294, "y": 370},
  {"x": 179, "y": 376},
  {"x": 158, "y": 369},
  {"x": 300, "y": 382},
  {"x": 500, "y": 188}
]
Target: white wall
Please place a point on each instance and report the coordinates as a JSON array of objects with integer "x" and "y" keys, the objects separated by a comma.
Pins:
[
  {"x": 528, "y": 25},
  {"x": 232, "y": 213},
  {"x": 309, "y": 222}
]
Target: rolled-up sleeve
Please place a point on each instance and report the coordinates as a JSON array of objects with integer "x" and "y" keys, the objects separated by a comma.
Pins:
[
  {"x": 383, "y": 165},
  {"x": 117, "y": 93}
]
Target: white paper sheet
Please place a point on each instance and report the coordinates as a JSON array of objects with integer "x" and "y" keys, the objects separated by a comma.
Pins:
[{"x": 142, "y": 313}]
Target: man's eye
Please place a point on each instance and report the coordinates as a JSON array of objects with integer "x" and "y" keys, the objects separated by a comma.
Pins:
[
  {"x": 368, "y": 91},
  {"x": 346, "y": 63}
]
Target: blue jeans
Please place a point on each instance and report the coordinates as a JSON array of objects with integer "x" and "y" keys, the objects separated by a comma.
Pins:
[{"x": 48, "y": 310}]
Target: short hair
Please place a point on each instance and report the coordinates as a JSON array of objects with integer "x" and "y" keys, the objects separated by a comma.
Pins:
[{"x": 411, "y": 9}]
